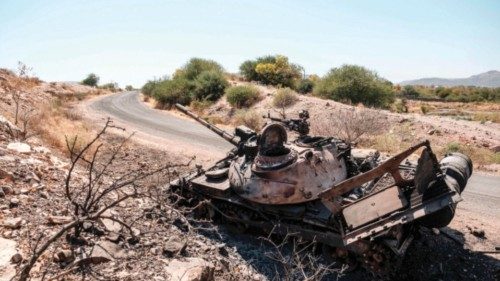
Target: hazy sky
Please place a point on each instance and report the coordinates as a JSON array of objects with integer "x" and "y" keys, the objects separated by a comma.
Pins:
[{"x": 129, "y": 41}]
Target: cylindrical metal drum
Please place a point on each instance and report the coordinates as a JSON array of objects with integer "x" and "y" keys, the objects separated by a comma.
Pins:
[{"x": 457, "y": 169}]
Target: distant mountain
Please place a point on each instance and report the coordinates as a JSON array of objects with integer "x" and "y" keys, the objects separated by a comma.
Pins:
[{"x": 487, "y": 79}]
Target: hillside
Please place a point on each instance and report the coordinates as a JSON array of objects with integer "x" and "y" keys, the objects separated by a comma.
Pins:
[{"x": 487, "y": 79}]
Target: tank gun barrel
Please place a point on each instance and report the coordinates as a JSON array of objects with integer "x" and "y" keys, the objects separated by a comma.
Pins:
[{"x": 225, "y": 135}]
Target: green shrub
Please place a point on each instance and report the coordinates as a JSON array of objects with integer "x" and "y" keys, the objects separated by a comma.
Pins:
[
  {"x": 148, "y": 88},
  {"x": 209, "y": 85},
  {"x": 305, "y": 86},
  {"x": 198, "y": 79},
  {"x": 91, "y": 80},
  {"x": 247, "y": 68},
  {"x": 129, "y": 88},
  {"x": 355, "y": 84},
  {"x": 242, "y": 96},
  {"x": 170, "y": 92},
  {"x": 110, "y": 86},
  {"x": 271, "y": 70},
  {"x": 410, "y": 92},
  {"x": 195, "y": 66},
  {"x": 285, "y": 97}
]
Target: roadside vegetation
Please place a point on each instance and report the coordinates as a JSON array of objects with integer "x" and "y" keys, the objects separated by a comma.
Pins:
[
  {"x": 355, "y": 84},
  {"x": 198, "y": 80},
  {"x": 272, "y": 70},
  {"x": 243, "y": 96},
  {"x": 34, "y": 100},
  {"x": 92, "y": 80},
  {"x": 456, "y": 94},
  {"x": 276, "y": 85},
  {"x": 283, "y": 99}
]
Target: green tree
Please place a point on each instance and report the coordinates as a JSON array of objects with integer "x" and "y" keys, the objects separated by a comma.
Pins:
[
  {"x": 247, "y": 68},
  {"x": 91, "y": 80},
  {"x": 197, "y": 80},
  {"x": 209, "y": 85},
  {"x": 355, "y": 84},
  {"x": 272, "y": 70},
  {"x": 129, "y": 88},
  {"x": 410, "y": 92},
  {"x": 195, "y": 67},
  {"x": 172, "y": 91},
  {"x": 305, "y": 86}
]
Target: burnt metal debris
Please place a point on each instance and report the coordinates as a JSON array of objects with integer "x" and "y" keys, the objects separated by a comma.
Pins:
[{"x": 362, "y": 209}]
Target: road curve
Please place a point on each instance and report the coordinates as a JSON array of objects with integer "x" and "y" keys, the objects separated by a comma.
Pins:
[
  {"x": 482, "y": 191},
  {"x": 128, "y": 108}
]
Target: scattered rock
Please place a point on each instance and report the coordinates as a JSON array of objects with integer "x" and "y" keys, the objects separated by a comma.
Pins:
[
  {"x": 16, "y": 258},
  {"x": 108, "y": 250},
  {"x": 13, "y": 223},
  {"x": 191, "y": 269},
  {"x": 155, "y": 250},
  {"x": 2, "y": 193},
  {"x": 110, "y": 225},
  {"x": 495, "y": 148},
  {"x": 173, "y": 247},
  {"x": 56, "y": 220},
  {"x": 64, "y": 256},
  {"x": 431, "y": 132},
  {"x": 435, "y": 231},
  {"x": 91, "y": 259},
  {"x": 41, "y": 149},
  {"x": 479, "y": 233},
  {"x": 44, "y": 194},
  {"x": 222, "y": 249},
  {"x": 33, "y": 178},
  {"x": 114, "y": 237},
  {"x": 87, "y": 226},
  {"x": 5, "y": 176},
  {"x": 14, "y": 202},
  {"x": 19, "y": 147},
  {"x": 7, "y": 189}
]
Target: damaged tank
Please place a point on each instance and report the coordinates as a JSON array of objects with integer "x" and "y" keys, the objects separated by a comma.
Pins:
[{"x": 362, "y": 209}]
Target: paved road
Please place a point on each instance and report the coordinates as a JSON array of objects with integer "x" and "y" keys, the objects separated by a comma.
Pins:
[
  {"x": 481, "y": 189},
  {"x": 128, "y": 108}
]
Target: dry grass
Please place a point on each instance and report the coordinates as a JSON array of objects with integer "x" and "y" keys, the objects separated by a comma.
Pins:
[
  {"x": 199, "y": 107},
  {"x": 480, "y": 156},
  {"x": 59, "y": 122},
  {"x": 350, "y": 124},
  {"x": 487, "y": 116},
  {"x": 395, "y": 142},
  {"x": 250, "y": 118}
]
